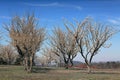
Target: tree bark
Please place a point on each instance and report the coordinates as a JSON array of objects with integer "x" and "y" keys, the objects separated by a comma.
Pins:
[
  {"x": 66, "y": 65},
  {"x": 89, "y": 69},
  {"x": 71, "y": 61},
  {"x": 31, "y": 64}
]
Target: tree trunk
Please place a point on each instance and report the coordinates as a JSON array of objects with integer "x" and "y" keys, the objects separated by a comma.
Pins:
[
  {"x": 25, "y": 63},
  {"x": 89, "y": 69},
  {"x": 66, "y": 65},
  {"x": 71, "y": 61},
  {"x": 8, "y": 62},
  {"x": 28, "y": 63},
  {"x": 31, "y": 64}
]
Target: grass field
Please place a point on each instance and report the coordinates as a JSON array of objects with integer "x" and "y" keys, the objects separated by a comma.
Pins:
[{"x": 17, "y": 73}]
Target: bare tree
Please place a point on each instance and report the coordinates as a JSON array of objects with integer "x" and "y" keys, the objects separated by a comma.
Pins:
[
  {"x": 64, "y": 45},
  {"x": 26, "y": 38},
  {"x": 50, "y": 56},
  {"x": 90, "y": 37},
  {"x": 8, "y": 54},
  {"x": 41, "y": 60}
]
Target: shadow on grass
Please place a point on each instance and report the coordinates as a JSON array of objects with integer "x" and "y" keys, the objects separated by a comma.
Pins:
[{"x": 41, "y": 69}]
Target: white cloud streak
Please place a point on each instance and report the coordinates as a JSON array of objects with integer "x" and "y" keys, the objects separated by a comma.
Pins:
[
  {"x": 54, "y": 4},
  {"x": 5, "y": 17},
  {"x": 114, "y": 21}
]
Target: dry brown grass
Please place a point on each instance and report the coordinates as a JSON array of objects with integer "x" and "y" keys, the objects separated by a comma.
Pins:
[{"x": 17, "y": 73}]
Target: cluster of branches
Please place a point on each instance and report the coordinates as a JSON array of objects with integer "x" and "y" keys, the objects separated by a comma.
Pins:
[
  {"x": 26, "y": 38},
  {"x": 64, "y": 46},
  {"x": 8, "y": 55},
  {"x": 90, "y": 37},
  {"x": 47, "y": 57}
]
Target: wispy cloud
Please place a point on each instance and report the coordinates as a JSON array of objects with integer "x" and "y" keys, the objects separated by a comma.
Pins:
[
  {"x": 114, "y": 21},
  {"x": 5, "y": 17},
  {"x": 54, "y": 4},
  {"x": 44, "y": 5}
]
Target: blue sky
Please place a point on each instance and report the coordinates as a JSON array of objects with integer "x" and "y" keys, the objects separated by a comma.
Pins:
[{"x": 52, "y": 12}]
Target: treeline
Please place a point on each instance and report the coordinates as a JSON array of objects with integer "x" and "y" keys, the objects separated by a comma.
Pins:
[
  {"x": 107, "y": 65},
  {"x": 8, "y": 55},
  {"x": 100, "y": 65}
]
